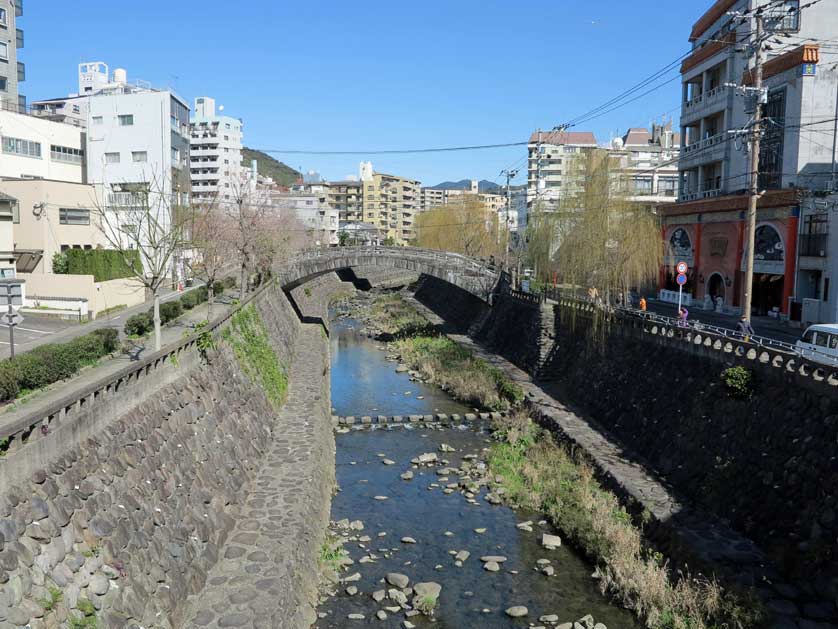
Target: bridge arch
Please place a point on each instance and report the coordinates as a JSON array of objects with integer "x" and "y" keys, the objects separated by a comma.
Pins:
[{"x": 469, "y": 274}]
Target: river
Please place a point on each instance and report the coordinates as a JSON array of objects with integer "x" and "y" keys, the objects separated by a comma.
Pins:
[{"x": 438, "y": 523}]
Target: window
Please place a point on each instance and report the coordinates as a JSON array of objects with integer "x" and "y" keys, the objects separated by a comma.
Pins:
[
  {"x": 786, "y": 17},
  {"x": 26, "y": 148},
  {"x": 821, "y": 339},
  {"x": 73, "y": 216},
  {"x": 4, "y": 51},
  {"x": 97, "y": 120},
  {"x": 126, "y": 120},
  {"x": 139, "y": 156},
  {"x": 771, "y": 148},
  {"x": 4, "y": 87},
  {"x": 3, "y": 17},
  {"x": 111, "y": 158},
  {"x": 66, "y": 154},
  {"x": 76, "y": 109}
]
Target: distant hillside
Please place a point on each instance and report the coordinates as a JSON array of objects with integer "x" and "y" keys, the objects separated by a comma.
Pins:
[
  {"x": 464, "y": 184},
  {"x": 267, "y": 166}
]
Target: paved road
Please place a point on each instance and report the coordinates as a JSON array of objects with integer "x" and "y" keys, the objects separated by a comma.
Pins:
[
  {"x": 35, "y": 330},
  {"x": 763, "y": 326}
]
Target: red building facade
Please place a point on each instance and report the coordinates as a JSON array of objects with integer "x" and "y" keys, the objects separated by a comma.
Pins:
[{"x": 710, "y": 236}]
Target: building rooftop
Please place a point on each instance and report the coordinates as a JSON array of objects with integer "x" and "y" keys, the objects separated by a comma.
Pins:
[{"x": 583, "y": 138}]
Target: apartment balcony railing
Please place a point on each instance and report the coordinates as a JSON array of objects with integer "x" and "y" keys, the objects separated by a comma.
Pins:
[
  {"x": 701, "y": 194},
  {"x": 713, "y": 140},
  {"x": 813, "y": 245},
  {"x": 707, "y": 98},
  {"x": 126, "y": 199}
]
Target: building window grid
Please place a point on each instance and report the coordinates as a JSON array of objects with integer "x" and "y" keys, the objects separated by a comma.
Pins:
[
  {"x": 73, "y": 216},
  {"x": 18, "y": 146},
  {"x": 66, "y": 154}
]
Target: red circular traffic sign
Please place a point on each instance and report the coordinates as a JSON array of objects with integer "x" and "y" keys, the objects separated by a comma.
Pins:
[{"x": 682, "y": 267}]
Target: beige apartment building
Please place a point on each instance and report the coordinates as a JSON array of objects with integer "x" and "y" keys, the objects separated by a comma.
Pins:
[
  {"x": 48, "y": 217},
  {"x": 347, "y": 197},
  {"x": 391, "y": 204}
]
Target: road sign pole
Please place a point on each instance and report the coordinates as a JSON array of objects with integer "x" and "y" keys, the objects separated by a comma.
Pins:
[
  {"x": 11, "y": 331},
  {"x": 680, "y": 291}
]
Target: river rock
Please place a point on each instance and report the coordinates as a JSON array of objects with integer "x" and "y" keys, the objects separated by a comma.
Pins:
[
  {"x": 444, "y": 447},
  {"x": 356, "y": 616},
  {"x": 491, "y": 566},
  {"x": 402, "y": 369},
  {"x": 397, "y": 596},
  {"x": 549, "y": 618},
  {"x": 99, "y": 584},
  {"x": 495, "y": 558},
  {"x": 427, "y": 457},
  {"x": 548, "y": 571},
  {"x": 408, "y": 540},
  {"x": 551, "y": 542},
  {"x": 397, "y": 579},
  {"x": 378, "y": 595},
  {"x": 381, "y": 614},
  {"x": 381, "y": 498},
  {"x": 586, "y": 622},
  {"x": 524, "y": 526},
  {"x": 352, "y": 578},
  {"x": 408, "y": 475},
  {"x": 427, "y": 589},
  {"x": 462, "y": 555},
  {"x": 388, "y": 462},
  {"x": 517, "y": 611}
]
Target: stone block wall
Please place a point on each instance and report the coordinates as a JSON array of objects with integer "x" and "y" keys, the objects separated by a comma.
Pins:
[
  {"x": 128, "y": 520},
  {"x": 457, "y": 307},
  {"x": 764, "y": 462}
]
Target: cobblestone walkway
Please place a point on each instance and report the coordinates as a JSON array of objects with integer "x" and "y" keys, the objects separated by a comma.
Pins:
[{"x": 266, "y": 574}]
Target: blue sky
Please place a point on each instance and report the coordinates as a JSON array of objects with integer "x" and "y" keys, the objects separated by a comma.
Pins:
[{"x": 378, "y": 75}]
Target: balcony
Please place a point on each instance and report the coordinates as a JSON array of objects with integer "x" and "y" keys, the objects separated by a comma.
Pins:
[
  {"x": 702, "y": 194},
  {"x": 813, "y": 245},
  {"x": 126, "y": 199},
  {"x": 710, "y": 149},
  {"x": 704, "y": 104}
]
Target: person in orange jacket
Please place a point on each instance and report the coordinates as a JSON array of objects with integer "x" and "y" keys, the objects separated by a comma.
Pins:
[{"x": 643, "y": 304}]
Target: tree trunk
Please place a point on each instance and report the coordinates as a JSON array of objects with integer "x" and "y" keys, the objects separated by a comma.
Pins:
[
  {"x": 157, "y": 331},
  {"x": 243, "y": 286},
  {"x": 210, "y": 297}
]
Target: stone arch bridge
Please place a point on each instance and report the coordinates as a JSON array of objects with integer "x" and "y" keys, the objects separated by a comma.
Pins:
[{"x": 472, "y": 275}]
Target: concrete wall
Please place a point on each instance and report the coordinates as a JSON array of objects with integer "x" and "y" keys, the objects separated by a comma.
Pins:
[
  {"x": 99, "y": 295},
  {"x": 46, "y": 133}
]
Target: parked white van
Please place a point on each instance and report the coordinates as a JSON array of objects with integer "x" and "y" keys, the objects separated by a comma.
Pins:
[{"x": 819, "y": 343}]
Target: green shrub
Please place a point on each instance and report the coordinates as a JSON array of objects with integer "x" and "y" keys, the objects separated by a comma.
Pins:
[
  {"x": 201, "y": 294},
  {"x": 139, "y": 324},
  {"x": 169, "y": 311},
  {"x": 189, "y": 300},
  {"x": 739, "y": 382},
  {"x": 102, "y": 264},
  {"x": 217, "y": 288},
  {"x": 50, "y": 363}
]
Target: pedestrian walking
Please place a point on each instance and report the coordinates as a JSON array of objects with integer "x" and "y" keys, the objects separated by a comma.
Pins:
[
  {"x": 745, "y": 328},
  {"x": 642, "y": 304},
  {"x": 683, "y": 314}
]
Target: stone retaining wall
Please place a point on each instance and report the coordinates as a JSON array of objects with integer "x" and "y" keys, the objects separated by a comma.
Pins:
[
  {"x": 312, "y": 298},
  {"x": 130, "y": 506}
]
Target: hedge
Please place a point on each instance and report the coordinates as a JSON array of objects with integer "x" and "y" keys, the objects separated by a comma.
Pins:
[
  {"x": 102, "y": 264},
  {"x": 143, "y": 323},
  {"x": 53, "y": 362}
]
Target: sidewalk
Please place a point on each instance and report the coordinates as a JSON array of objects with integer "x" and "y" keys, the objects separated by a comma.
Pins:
[
  {"x": 47, "y": 396},
  {"x": 763, "y": 326},
  {"x": 110, "y": 321}
]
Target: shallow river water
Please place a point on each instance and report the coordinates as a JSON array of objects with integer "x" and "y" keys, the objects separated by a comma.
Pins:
[{"x": 363, "y": 382}]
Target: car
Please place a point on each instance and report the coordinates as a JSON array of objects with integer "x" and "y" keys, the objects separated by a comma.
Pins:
[{"x": 819, "y": 343}]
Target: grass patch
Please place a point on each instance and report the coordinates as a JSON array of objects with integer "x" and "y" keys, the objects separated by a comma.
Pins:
[
  {"x": 250, "y": 342},
  {"x": 111, "y": 310},
  {"x": 396, "y": 318},
  {"x": 332, "y": 554},
  {"x": 545, "y": 477},
  {"x": 87, "y": 620},
  {"x": 445, "y": 363},
  {"x": 55, "y": 597},
  {"x": 425, "y": 604}
]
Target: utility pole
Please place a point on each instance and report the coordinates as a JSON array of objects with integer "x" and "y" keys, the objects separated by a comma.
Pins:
[
  {"x": 510, "y": 174},
  {"x": 756, "y": 131}
]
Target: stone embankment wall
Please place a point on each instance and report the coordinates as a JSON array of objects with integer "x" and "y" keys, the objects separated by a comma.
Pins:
[
  {"x": 457, "y": 307},
  {"x": 127, "y": 511},
  {"x": 313, "y": 298}
]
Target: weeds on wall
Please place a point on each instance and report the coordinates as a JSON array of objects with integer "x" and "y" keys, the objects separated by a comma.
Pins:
[
  {"x": 739, "y": 382},
  {"x": 249, "y": 340},
  {"x": 538, "y": 474}
]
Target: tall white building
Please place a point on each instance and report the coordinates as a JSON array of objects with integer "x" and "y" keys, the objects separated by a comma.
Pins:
[
  {"x": 12, "y": 71},
  {"x": 33, "y": 148},
  {"x": 215, "y": 153},
  {"x": 550, "y": 157}
]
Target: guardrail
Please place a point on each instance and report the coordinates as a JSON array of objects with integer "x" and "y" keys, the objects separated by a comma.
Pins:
[{"x": 38, "y": 423}]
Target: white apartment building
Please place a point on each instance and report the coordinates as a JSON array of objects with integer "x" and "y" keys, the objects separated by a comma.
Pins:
[
  {"x": 649, "y": 160},
  {"x": 12, "y": 71},
  {"x": 796, "y": 248},
  {"x": 321, "y": 220},
  {"x": 34, "y": 148},
  {"x": 215, "y": 160},
  {"x": 550, "y": 155},
  {"x": 138, "y": 141}
]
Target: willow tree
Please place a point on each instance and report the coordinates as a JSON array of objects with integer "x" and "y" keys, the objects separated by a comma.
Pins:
[
  {"x": 465, "y": 225},
  {"x": 606, "y": 240}
]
